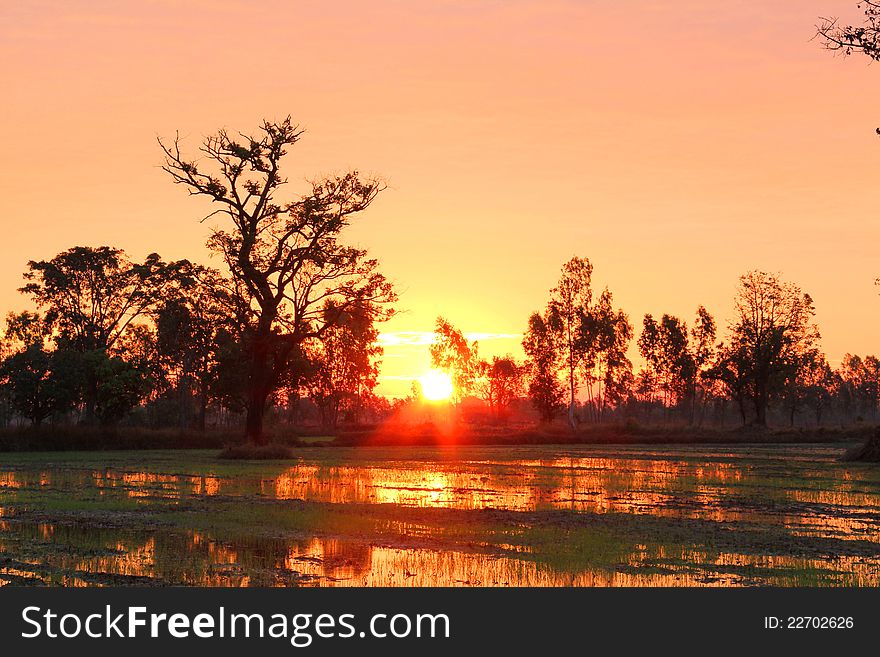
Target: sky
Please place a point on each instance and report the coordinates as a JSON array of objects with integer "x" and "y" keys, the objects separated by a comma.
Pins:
[{"x": 675, "y": 144}]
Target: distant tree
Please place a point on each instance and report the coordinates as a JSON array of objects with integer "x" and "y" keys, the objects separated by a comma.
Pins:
[
  {"x": 499, "y": 382},
  {"x": 800, "y": 384},
  {"x": 603, "y": 337},
  {"x": 821, "y": 386},
  {"x": 860, "y": 383},
  {"x": 569, "y": 306},
  {"x": 285, "y": 257},
  {"x": 452, "y": 352},
  {"x": 345, "y": 366},
  {"x": 543, "y": 365},
  {"x": 702, "y": 350},
  {"x": 732, "y": 371},
  {"x": 665, "y": 348},
  {"x": 771, "y": 335},
  {"x": 677, "y": 359}
]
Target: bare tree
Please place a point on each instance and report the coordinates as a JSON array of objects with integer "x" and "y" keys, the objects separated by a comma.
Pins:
[
  {"x": 848, "y": 39},
  {"x": 286, "y": 255}
]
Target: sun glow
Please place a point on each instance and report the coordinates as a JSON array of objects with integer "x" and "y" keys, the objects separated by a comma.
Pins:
[{"x": 436, "y": 386}]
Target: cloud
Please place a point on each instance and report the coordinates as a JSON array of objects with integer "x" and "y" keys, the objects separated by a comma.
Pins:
[{"x": 420, "y": 338}]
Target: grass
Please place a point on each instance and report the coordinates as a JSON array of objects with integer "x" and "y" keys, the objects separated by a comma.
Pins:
[
  {"x": 91, "y": 438},
  {"x": 252, "y": 452}
]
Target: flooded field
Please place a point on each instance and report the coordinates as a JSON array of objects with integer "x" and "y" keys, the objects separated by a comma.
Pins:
[{"x": 466, "y": 516}]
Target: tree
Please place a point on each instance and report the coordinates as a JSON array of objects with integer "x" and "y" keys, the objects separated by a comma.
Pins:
[
  {"x": 854, "y": 38},
  {"x": 452, "y": 352},
  {"x": 500, "y": 382},
  {"x": 285, "y": 257},
  {"x": 732, "y": 369},
  {"x": 666, "y": 351},
  {"x": 848, "y": 39},
  {"x": 345, "y": 365},
  {"x": 702, "y": 349},
  {"x": 603, "y": 337},
  {"x": 676, "y": 359},
  {"x": 190, "y": 329},
  {"x": 121, "y": 385},
  {"x": 91, "y": 297},
  {"x": 772, "y": 333},
  {"x": 36, "y": 383},
  {"x": 799, "y": 385},
  {"x": 25, "y": 329},
  {"x": 860, "y": 383},
  {"x": 543, "y": 365},
  {"x": 569, "y": 305}
]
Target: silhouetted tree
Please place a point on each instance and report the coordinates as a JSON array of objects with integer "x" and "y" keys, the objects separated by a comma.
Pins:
[
  {"x": 677, "y": 359},
  {"x": 702, "y": 349},
  {"x": 665, "y": 348},
  {"x": 345, "y": 366},
  {"x": 772, "y": 333},
  {"x": 603, "y": 337},
  {"x": 91, "y": 296},
  {"x": 542, "y": 352},
  {"x": 452, "y": 352},
  {"x": 285, "y": 256},
  {"x": 499, "y": 382},
  {"x": 34, "y": 382},
  {"x": 732, "y": 369},
  {"x": 191, "y": 326},
  {"x": 860, "y": 383},
  {"x": 25, "y": 329},
  {"x": 848, "y": 39},
  {"x": 568, "y": 307},
  {"x": 799, "y": 384}
]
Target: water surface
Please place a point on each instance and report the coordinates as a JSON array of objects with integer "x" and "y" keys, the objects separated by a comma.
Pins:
[{"x": 466, "y": 516}]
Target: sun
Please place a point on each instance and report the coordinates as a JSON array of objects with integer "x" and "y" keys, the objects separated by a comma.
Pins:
[{"x": 436, "y": 385}]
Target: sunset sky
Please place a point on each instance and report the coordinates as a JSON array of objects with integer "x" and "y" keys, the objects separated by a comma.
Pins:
[{"x": 675, "y": 144}]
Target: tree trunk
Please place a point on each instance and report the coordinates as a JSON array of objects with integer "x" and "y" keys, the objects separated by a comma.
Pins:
[
  {"x": 761, "y": 413},
  {"x": 259, "y": 383},
  {"x": 571, "y": 420},
  {"x": 203, "y": 409},
  {"x": 254, "y": 423},
  {"x": 760, "y": 407}
]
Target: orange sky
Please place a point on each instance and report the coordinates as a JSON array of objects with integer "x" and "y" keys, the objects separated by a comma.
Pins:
[{"x": 675, "y": 144}]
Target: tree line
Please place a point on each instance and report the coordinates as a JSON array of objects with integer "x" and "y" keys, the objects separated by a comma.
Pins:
[
  {"x": 290, "y": 323},
  {"x": 294, "y": 310},
  {"x": 577, "y": 362},
  {"x": 770, "y": 359}
]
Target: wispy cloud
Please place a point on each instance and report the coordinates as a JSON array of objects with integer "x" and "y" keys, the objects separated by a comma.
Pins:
[{"x": 417, "y": 338}]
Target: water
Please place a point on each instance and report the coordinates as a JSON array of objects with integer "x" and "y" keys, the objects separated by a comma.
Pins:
[{"x": 471, "y": 516}]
